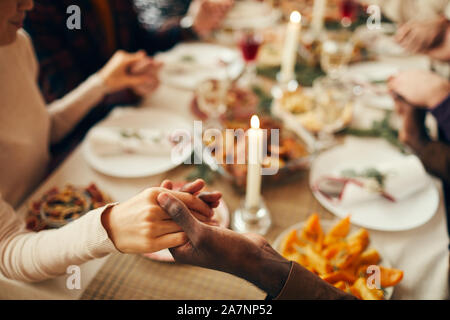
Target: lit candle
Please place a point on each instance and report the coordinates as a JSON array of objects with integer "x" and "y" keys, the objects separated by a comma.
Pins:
[
  {"x": 255, "y": 144},
  {"x": 290, "y": 47},
  {"x": 318, "y": 16}
]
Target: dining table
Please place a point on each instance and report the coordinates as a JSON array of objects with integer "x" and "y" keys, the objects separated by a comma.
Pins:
[{"x": 422, "y": 253}]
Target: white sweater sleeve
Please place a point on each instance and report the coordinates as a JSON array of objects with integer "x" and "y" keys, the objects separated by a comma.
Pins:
[
  {"x": 66, "y": 112},
  {"x": 30, "y": 256}
]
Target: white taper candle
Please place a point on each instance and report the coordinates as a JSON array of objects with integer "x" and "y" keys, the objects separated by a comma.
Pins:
[
  {"x": 290, "y": 47},
  {"x": 255, "y": 144}
]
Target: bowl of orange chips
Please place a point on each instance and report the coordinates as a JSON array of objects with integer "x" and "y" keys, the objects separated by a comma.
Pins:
[{"x": 341, "y": 255}]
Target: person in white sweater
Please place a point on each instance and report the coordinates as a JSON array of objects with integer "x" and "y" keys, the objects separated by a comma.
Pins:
[{"x": 28, "y": 127}]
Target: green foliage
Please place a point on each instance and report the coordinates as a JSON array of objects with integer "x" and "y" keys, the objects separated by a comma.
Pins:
[
  {"x": 265, "y": 100},
  {"x": 379, "y": 129},
  {"x": 202, "y": 171},
  {"x": 304, "y": 74}
]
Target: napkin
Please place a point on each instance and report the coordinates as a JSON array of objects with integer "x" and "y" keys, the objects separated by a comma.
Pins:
[
  {"x": 113, "y": 141},
  {"x": 402, "y": 178}
]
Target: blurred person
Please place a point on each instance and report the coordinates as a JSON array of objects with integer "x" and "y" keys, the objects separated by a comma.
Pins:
[
  {"x": 415, "y": 94},
  {"x": 423, "y": 28},
  {"x": 28, "y": 127},
  {"x": 403, "y": 11},
  {"x": 67, "y": 57},
  {"x": 422, "y": 23}
]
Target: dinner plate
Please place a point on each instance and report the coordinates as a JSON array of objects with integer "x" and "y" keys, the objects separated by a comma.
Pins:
[
  {"x": 128, "y": 165},
  {"x": 221, "y": 213},
  {"x": 381, "y": 41},
  {"x": 326, "y": 226},
  {"x": 188, "y": 64},
  {"x": 373, "y": 77},
  {"x": 374, "y": 71},
  {"x": 378, "y": 214}
]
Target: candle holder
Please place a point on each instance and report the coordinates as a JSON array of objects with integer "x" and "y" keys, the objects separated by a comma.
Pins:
[
  {"x": 281, "y": 87},
  {"x": 255, "y": 219}
]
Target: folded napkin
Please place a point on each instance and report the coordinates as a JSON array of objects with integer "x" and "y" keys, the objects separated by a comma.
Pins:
[
  {"x": 394, "y": 180},
  {"x": 112, "y": 141}
]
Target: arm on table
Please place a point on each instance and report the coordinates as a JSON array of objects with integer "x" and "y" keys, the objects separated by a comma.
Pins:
[
  {"x": 138, "y": 225},
  {"x": 435, "y": 155},
  {"x": 30, "y": 256}
]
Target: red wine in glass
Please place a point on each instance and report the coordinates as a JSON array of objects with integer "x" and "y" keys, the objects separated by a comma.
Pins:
[
  {"x": 249, "y": 45},
  {"x": 348, "y": 9}
]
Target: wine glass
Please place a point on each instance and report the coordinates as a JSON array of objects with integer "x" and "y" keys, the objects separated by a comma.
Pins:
[
  {"x": 249, "y": 43},
  {"x": 347, "y": 10},
  {"x": 212, "y": 100},
  {"x": 336, "y": 53},
  {"x": 333, "y": 99}
]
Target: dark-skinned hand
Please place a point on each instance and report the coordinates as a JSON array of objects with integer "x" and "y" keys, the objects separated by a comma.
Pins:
[{"x": 247, "y": 256}]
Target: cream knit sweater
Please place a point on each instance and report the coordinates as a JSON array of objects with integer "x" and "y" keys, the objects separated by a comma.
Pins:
[{"x": 27, "y": 127}]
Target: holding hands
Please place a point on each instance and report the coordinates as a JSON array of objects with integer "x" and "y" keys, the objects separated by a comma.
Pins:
[
  {"x": 414, "y": 92},
  {"x": 140, "y": 225},
  {"x": 248, "y": 256},
  {"x": 420, "y": 88},
  {"x": 208, "y": 15},
  {"x": 136, "y": 71},
  {"x": 421, "y": 36},
  {"x": 430, "y": 37}
]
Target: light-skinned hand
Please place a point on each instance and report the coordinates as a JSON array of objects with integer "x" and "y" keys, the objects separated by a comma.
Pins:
[
  {"x": 140, "y": 225},
  {"x": 150, "y": 68},
  {"x": 420, "y": 88},
  {"x": 117, "y": 75},
  {"x": 421, "y": 36},
  {"x": 209, "y": 15}
]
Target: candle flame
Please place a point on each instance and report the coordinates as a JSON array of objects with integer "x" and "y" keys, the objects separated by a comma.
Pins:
[
  {"x": 254, "y": 122},
  {"x": 296, "y": 17}
]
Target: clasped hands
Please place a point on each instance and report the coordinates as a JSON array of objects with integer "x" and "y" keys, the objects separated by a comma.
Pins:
[
  {"x": 415, "y": 92},
  {"x": 136, "y": 71}
]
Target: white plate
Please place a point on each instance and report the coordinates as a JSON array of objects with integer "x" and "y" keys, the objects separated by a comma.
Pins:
[
  {"x": 252, "y": 15},
  {"x": 379, "y": 214},
  {"x": 134, "y": 165},
  {"x": 326, "y": 226},
  {"x": 381, "y": 41},
  {"x": 370, "y": 72},
  {"x": 383, "y": 101},
  {"x": 188, "y": 64}
]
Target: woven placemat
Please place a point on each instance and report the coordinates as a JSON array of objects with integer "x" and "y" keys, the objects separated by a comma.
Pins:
[{"x": 135, "y": 277}]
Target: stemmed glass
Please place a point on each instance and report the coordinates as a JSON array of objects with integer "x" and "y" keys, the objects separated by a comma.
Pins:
[
  {"x": 249, "y": 43},
  {"x": 347, "y": 9},
  {"x": 332, "y": 99},
  {"x": 212, "y": 100},
  {"x": 336, "y": 53}
]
